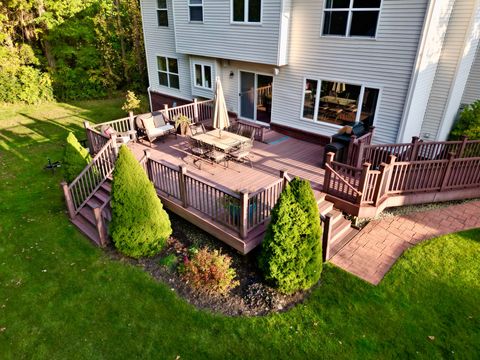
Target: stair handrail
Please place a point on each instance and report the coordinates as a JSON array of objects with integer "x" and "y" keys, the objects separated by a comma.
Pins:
[
  {"x": 105, "y": 170},
  {"x": 359, "y": 193}
]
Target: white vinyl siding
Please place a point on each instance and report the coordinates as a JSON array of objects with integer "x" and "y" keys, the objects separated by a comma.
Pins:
[
  {"x": 161, "y": 41},
  {"x": 472, "y": 89},
  {"x": 385, "y": 63},
  {"x": 218, "y": 37},
  {"x": 452, "y": 51}
]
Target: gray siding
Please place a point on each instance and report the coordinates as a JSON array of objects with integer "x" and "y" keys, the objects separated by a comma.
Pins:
[
  {"x": 385, "y": 62},
  {"x": 452, "y": 52},
  {"x": 472, "y": 89},
  {"x": 160, "y": 41},
  {"x": 217, "y": 37}
]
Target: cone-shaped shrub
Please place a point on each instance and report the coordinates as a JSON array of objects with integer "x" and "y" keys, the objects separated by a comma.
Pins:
[
  {"x": 291, "y": 256},
  {"x": 140, "y": 226},
  {"x": 75, "y": 158}
]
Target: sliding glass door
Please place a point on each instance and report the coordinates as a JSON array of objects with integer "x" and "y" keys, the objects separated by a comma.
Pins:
[{"x": 255, "y": 96}]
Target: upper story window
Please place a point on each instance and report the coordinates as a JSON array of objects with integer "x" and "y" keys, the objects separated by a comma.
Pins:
[
  {"x": 195, "y": 10},
  {"x": 338, "y": 102},
  {"x": 162, "y": 13},
  {"x": 168, "y": 72},
  {"x": 246, "y": 11},
  {"x": 351, "y": 17},
  {"x": 203, "y": 76}
]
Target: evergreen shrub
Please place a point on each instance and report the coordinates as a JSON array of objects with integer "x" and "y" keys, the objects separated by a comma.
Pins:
[
  {"x": 140, "y": 226},
  {"x": 468, "y": 123},
  {"x": 291, "y": 253},
  {"x": 75, "y": 158}
]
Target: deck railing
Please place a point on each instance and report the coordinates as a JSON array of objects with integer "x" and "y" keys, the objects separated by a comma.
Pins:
[
  {"x": 358, "y": 188},
  {"x": 239, "y": 211},
  {"x": 79, "y": 191},
  {"x": 361, "y": 152},
  {"x": 197, "y": 111},
  {"x": 96, "y": 141}
]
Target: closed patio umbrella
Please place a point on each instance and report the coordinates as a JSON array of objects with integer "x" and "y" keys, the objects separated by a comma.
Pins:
[{"x": 220, "y": 114}]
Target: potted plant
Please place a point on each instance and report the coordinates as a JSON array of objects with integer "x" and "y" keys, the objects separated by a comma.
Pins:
[
  {"x": 232, "y": 205},
  {"x": 182, "y": 122}
]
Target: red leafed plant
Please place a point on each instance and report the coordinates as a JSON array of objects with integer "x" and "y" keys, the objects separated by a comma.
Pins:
[{"x": 209, "y": 271}]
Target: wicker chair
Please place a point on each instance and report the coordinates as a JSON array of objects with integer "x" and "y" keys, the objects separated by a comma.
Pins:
[
  {"x": 197, "y": 128},
  {"x": 153, "y": 129}
]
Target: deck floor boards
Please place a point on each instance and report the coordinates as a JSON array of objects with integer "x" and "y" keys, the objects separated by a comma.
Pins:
[{"x": 298, "y": 157}]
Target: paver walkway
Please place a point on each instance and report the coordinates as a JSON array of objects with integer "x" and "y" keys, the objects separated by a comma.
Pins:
[{"x": 376, "y": 248}]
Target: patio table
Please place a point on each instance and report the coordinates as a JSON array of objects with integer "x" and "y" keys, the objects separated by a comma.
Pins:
[{"x": 225, "y": 143}]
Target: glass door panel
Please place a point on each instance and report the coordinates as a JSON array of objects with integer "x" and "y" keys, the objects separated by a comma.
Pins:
[{"x": 247, "y": 95}]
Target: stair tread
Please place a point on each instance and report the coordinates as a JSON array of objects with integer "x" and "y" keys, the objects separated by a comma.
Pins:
[
  {"x": 339, "y": 229},
  {"x": 107, "y": 186},
  {"x": 87, "y": 229},
  {"x": 325, "y": 207},
  {"x": 87, "y": 213},
  {"x": 344, "y": 240}
]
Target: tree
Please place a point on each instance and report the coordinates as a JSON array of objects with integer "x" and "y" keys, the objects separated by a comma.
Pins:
[
  {"x": 131, "y": 103},
  {"x": 75, "y": 158},
  {"x": 468, "y": 123},
  {"x": 140, "y": 226},
  {"x": 291, "y": 254}
]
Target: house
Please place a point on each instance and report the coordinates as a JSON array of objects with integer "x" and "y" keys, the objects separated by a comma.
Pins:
[{"x": 310, "y": 67}]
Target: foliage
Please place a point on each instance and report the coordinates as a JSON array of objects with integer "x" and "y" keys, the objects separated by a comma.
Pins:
[
  {"x": 468, "y": 123},
  {"x": 140, "y": 226},
  {"x": 169, "y": 261},
  {"x": 75, "y": 158},
  {"x": 53, "y": 281},
  {"x": 20, "y": 79},
  {"x": 81, "y": 49},
  {"x": 131, "y": 103},
  {"x": 209, "y": 271},
  {"x": 291, "y": 256},
  {"x": 182, "y": 120}
]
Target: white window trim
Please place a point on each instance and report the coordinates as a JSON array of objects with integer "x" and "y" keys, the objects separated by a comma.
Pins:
[
  {"x": 162, "y": 9},
  {"x": 350, "y": 10},
  {"x": 195, "y": 5},
  {"x": 168, "y": 72},
  {"x": 202, "y": 64},
  {"x": 317, "y": 100},
  {"x": 245, "y": 15}
]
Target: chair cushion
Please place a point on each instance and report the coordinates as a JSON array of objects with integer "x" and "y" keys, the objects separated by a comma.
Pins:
[
  {"x": 160, "y": 131},
  {"x": 149, "y": 124},
  {"x": 159, "y": 120}
]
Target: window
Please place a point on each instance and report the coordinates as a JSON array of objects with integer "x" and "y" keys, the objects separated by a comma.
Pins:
[
  {"x": 246, "y": 11},
  {"x": 203, "y": 76},
  {"x": 196, "y": 10},
  {"x": 351, "y": 17},
  {"x": 168, "y": 72},
  {"x": 338, "y": 102},
  {"x": 162, "y": 13}
]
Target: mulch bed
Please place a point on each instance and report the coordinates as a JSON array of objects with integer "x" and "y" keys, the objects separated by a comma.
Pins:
[{"x": 251, "y": 298}]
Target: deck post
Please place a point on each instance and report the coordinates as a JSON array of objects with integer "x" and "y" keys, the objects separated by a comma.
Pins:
[
  {"x": 361, "y": 149},
  {"x": 326, "y": 236},
  {"x": 100, "y": 225},
  {"x": 371, "y": 129},
  {"x": 351, "y": 145},
  {"x": 415, "y": 145},
  {"x": 243, "y": 214},
  {"x": 114, "y": 144},
  {"x": 328, "y": 173},
  {"x": 284, "y": 176},
  {"x": 195, "y": 110},
  {"x": 147, "y": 153},
  {"x": 182, "y": 185},
  {"x": 132, "y": 125},
  {"x": 68, "y": 199},
  {"x": 167, "y": 115},
  {"x": 383, "y": 180},
  {"x": 461, "y": 149},
  {"x": 448, "y": 171},
  {"x": 363, "y": 182},
  {"x": 86, "y": 125}
]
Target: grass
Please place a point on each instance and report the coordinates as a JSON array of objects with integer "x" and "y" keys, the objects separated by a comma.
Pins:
[{"x": 60, "y": 297}]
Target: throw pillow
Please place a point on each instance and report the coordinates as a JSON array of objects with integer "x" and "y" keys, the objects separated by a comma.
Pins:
[{"x": 148, "y": 123}]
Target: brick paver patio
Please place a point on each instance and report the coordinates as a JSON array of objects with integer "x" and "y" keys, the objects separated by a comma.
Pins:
[{"x": 376, "y": 248}]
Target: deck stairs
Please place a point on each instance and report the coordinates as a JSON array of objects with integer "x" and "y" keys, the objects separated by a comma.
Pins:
[
  {"x": 85, "y": 219},
  {"x": 342, "y": 229}
]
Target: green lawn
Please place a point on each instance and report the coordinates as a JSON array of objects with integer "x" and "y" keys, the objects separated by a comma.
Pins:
[{"x": 60, "y": 297}]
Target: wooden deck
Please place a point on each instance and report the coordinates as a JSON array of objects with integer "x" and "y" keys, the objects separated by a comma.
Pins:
[
  {"x": 208, "y": 185},
  {"x": 298, "y": 157}
]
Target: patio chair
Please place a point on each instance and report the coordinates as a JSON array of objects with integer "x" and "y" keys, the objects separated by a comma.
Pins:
[
  {"x": 197, "y": 128},
  {"x": 217, "y": 156},
  {"x": 122, "y": 137},
  {"x": 154, "y": 126},
  {"x": 242, "y": 153}
]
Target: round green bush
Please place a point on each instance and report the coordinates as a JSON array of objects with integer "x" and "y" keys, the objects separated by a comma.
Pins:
[
  {"x": 291, "y": 254},
  {"x": 140, "y": 226},
  {"x": 468, "y": 123},
  {"x": 75, "y": 158}
]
